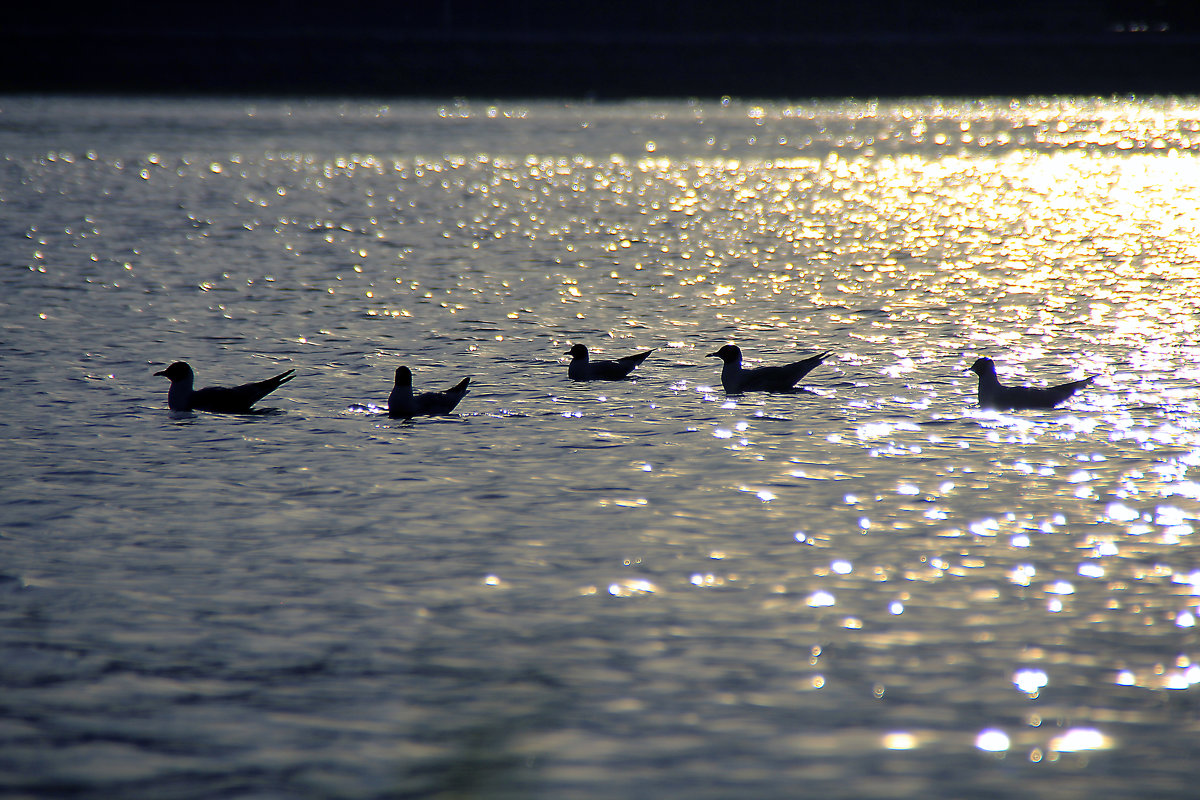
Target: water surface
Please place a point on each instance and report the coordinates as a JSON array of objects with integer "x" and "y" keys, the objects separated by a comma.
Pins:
[{"x": 645, "y": 588}]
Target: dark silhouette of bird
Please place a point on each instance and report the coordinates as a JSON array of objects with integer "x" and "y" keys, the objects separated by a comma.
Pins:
[
  {"x": 782, "y": 379},
  {"x": 993, "y": 395},
  {"x": 583, "y": 369},
  {"x": 219, "y": 399},
  {"x": 402, "y": 403}
]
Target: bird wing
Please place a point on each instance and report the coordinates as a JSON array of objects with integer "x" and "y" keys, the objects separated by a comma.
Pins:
[
  {"x": 779, "y": 379},
  {"x": 1021, "y": 397},
  {"x": 635, "y": 359},
  {"x": 801, "y": 368},
  {"x": 1063, "y": 391},
  {"x": 433, "y": 403},
  {"x": 618, "y": 369},
  {"x": 460, "y": 387},
  {"x": 611, "y": 370},
  {"x": 234, "y": 399}
]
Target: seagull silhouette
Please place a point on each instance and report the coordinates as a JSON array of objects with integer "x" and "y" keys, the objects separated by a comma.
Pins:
[
  {"x": 220, "y": 399},
  {"x": 782, "y": 379},
  {"x": 402, "y": 403},
  {"x": 1011, "y": 398},
  {"x": 581, "y": 369}
]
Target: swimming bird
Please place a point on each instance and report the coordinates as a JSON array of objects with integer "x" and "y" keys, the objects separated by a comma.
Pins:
[
  {"x": 782, "y": 379},
  {"x": 995, "y": 396},
  {"x": 404, "y": 404},
  {"x": 581, "y": 369},
  {"x": 219, "y": 399}
]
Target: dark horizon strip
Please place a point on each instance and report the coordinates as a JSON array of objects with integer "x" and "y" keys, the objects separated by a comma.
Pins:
[{"x": 599, "y": 64}]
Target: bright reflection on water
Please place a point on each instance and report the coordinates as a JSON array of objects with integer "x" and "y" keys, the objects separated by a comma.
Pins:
[{"x": 643, "y": 588}]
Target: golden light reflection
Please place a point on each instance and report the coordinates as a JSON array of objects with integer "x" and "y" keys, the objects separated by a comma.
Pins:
[
  {"x": 1022, "y": 228},
  {"x": 1183, "y": 674},
  {"x": 992, "y": 741},
  {"x": 1030, "y": 681},
  {"x": 633, "y": 587},
  {"x": 899, "y": 741},
  {"x": 709, "y": 580},
  {"x": 820, "y": 599},
  {"x": 1078, "y": 739},
  {"x": 622, "y": 502}
]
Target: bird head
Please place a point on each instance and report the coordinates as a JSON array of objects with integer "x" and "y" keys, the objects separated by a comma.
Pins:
[
  {"x": 730, "y": 352},
  {"x": 176, "y": 372},
  {"x": 983, "y": 366}
]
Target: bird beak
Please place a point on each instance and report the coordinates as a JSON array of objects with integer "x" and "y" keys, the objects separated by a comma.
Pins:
[
  {"x": 161, "y": 372},
  {"x": 713, "y": 355}
]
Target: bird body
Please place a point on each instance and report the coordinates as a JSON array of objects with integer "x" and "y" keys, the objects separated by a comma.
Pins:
[
  {"x": 993, "y": 395},
  {"x": 402, "y": 403},
  {"x": 783, "y": 379},
  {"x": 219, "y": 399},
  {"x": 584, "y": 369}
]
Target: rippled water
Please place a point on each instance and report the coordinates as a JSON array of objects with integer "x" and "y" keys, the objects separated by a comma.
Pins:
[{"x": 640, "y": 589}]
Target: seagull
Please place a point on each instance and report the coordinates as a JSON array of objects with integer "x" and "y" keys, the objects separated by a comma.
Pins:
[
  {"x": 581, "y": 369},
  {"x": 762, "y": 379},
  {"x": 993, "y": 395},
  {"x": 219, "y": 399},
  {"x": 404, "y": 404}
]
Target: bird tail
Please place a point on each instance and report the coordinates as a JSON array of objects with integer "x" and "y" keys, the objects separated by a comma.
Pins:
[
  {"x": 638, "y": 358},
  {"x": 812, "y": 362},
  {"x": 461, "y": 386}
]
